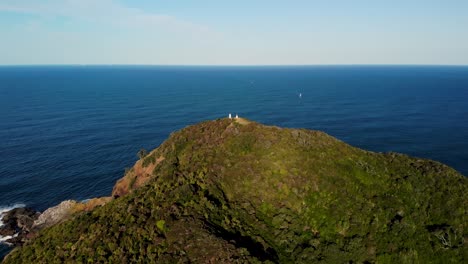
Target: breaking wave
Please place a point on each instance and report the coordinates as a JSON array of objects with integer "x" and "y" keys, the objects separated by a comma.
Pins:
[
  {"x": 3, "y": 240},
  {"x": 4, "y": 209}
]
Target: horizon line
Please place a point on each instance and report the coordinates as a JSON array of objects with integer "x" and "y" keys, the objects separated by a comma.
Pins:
[{"x": 228, "y": 65}]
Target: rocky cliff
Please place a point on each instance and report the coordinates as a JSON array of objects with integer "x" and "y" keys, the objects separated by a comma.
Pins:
[{"x": 237, "y": 191}]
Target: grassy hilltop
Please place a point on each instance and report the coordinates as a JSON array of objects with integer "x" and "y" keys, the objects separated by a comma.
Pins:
[{"x": 226, "y": 191}]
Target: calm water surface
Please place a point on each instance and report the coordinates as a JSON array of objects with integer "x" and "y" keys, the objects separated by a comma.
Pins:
[{"x": 69, "y": 132}]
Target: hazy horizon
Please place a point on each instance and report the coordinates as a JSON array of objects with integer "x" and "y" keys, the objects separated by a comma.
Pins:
[
  {"x": 238, "y": 65},
  {"x": 241, "y": 33}
]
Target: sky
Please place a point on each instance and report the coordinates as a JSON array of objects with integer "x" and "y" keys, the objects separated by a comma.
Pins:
[{"x": 241, "y": 32}]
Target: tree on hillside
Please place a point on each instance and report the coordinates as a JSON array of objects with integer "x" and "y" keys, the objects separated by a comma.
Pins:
[{"x": 142, "y": 153}]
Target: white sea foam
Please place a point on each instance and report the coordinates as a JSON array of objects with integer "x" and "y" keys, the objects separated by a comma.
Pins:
[
  {"x": 4, "y": 239},
  {"x": 4, "y": 209}
]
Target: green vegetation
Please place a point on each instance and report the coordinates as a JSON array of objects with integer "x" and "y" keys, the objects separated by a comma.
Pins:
[
  {"x": 231, "y": 192},
  {"x": 142, "y": 153}
]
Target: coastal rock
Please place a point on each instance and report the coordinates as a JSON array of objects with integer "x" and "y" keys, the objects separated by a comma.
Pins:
[
  {"x": 21, "y": 224},
  {"x": 18, "y": 223},
  {"x": 54, "y": 215}
]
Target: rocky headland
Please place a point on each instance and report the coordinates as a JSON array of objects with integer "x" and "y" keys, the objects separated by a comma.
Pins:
[{"x": 235, "y": 191}]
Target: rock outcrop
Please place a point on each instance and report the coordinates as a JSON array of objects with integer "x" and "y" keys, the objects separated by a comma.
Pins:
[
  {"x": 240, "y": 192},
  {"x": 54, "y": 215},
  {"x": 18, "y": 224},
  {"x": 22, "y": 224}
]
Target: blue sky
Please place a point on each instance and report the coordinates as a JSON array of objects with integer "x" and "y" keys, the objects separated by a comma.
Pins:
[{"x": 237, "y": 32}]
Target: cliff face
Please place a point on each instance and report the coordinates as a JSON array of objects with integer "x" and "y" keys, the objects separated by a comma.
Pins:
[{"x": 230, "y": 191}]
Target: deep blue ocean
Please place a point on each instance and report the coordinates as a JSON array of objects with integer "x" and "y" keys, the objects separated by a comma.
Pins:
[{"x": 68, "y": 132}]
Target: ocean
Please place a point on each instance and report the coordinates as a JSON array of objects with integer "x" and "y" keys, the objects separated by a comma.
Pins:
[{"x": 69, "y": 132}]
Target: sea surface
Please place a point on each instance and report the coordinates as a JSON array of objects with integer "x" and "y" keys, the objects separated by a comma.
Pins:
[{"x": 69, "y": 132}]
